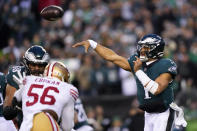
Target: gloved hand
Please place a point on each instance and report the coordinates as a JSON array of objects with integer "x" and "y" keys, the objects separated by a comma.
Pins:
[
  {"x": 179, "y": 115},
  {"x": 19, "y": 79}
]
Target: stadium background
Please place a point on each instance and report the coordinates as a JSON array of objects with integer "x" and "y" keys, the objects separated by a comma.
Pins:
[{"x": 107, "y": 91}]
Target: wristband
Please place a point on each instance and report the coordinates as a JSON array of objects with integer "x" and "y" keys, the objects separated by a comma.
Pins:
[
  {"x": 93, "y": 44},
  {"x": 154, "y": 87}
]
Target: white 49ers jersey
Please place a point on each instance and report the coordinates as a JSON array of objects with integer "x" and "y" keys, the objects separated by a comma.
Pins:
[{"x": 41, "y": 93}]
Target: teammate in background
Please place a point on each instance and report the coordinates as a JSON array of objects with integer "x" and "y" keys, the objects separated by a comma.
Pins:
[
  {"x": 154, "y": 77},
  {"x": 34, "y": 63},
  {"x": 81, "y": 123},
  {"x": 47, "y": 100},
  {"x": 5, "y": 125}
]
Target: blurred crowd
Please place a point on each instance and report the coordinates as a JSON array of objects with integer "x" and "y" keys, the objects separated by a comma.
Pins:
[{"x": 117, "y": 24}]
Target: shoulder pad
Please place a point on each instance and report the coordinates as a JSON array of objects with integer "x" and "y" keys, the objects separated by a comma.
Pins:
[
  {"x": 74, "y": 93},
  {"x": 169, "y": 66}
]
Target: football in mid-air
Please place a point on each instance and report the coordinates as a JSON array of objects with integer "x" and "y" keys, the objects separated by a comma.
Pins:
[{"x": 52, "y": 12}]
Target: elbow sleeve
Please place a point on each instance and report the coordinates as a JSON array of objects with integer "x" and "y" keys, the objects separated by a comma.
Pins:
[{"x": 10, "y": 112}]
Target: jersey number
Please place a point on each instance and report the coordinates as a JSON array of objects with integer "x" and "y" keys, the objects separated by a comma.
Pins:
[{"x": 44, "y": 95}]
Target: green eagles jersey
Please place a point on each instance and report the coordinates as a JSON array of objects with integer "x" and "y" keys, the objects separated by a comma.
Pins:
[
  {"x": 153, "y": 70},
  {"x": 2, "y": 91},
  {"x": 13, "y": 71}
]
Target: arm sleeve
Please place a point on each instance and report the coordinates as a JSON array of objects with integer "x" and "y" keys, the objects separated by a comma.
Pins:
[
  {"x": 67, "y": 117},
  {"x": 18, "y": 94}
]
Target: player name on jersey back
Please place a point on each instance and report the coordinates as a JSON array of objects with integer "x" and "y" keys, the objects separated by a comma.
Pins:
[
  {"x": 41, "y": 93},
  {"x": 48, "y": 81}
]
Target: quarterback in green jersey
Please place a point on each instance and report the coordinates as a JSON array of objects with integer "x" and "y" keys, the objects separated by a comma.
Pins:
[
  {"x": 35, "y": 60},
  {"x": 154, "y": 76}
]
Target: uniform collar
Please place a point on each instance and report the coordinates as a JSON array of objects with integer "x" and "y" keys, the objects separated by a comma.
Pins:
[{"x": 150, "y": 62}]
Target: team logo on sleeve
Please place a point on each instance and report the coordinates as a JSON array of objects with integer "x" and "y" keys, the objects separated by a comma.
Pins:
[{"x": 172, "y": 69}]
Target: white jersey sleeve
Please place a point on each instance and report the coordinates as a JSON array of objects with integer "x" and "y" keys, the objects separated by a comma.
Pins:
[
  {"x": 67, "y": 117},
  {"x": 19, "y": 92},
  {"x": 18, "y": 95}
]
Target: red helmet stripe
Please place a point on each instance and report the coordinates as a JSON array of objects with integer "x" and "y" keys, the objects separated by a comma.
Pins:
[
  {"x": 48, "y": 69},
  {"x": 53, "y": 69}
]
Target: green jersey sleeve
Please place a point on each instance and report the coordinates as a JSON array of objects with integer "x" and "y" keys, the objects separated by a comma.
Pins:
[
  {"x": 169, "y": 66},
  {"x": 13, "y": 71}
]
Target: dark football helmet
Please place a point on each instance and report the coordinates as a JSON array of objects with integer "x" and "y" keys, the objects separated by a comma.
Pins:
[
  {"x": 155, "y": 44},
  {"x": 35, "y": 56}
]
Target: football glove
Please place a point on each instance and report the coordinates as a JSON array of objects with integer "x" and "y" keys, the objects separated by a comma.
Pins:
[{"x": 19, "y": 79}]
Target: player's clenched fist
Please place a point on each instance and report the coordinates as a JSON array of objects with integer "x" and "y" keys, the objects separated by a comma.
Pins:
[{"x": 137, "y": 64}]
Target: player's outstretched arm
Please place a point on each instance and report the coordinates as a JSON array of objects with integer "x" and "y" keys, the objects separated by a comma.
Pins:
[{"x": 105, "y": 53}]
